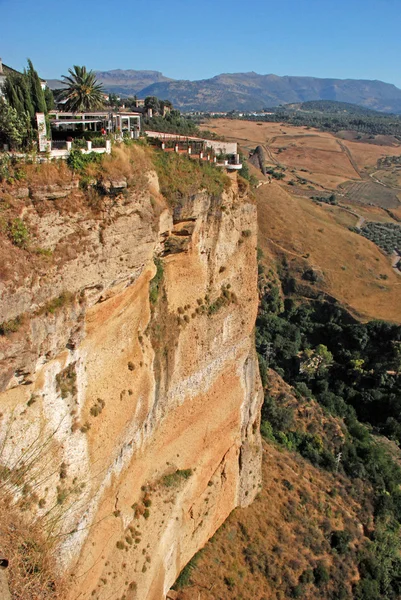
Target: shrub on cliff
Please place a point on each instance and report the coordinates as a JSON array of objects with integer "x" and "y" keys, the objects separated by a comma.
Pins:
[
  {"x": 155, "y": 283},
  {"x": 78, "y": 161},
  {"x": 18, "y": 232},
  {"x": 181, "y": 176}
]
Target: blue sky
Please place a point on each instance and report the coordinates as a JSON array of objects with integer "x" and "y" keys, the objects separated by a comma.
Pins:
[{"x": 187, "y": 39}]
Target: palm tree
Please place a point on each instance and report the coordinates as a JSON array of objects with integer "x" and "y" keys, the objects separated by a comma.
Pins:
[{"x": 83, "y": 92}]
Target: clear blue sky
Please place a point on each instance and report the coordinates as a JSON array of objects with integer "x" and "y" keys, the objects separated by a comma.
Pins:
[{"x": 188, "y": 39}]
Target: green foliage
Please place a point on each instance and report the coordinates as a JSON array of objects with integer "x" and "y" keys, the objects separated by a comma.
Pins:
[
  {"x": 25, "y": 96},
  {"x": 49, "y": 99},
  {"x": 276, "y": 174},
  {"x": 53, "y": 305},
  {"x": 379, "y": 564},
  {"x": 245, "y": 173},
  {"x": 10, "y": 326},
  {"x": 77, "y": 161},
  {"x": 66, "y": 381},
  {"x": 37, "y": 94},
  {"x": 82, "y": 92},
  {"x": 385, "y": 235},
  {"x": 174, "y": 479},
  {"x": 326, "y": 199},
  {"x": 181, "y": 176},
  {"x": 171, "y": 122},
  {"x": 156, "y": 282},
  {"x": 279, "y": 416},
  {"x": 14, "y": 130},
  {"x": 18, "y": 233},
  {"x": 18, "y": 93},
  {"x": 225, "y": 298},
  {"x": 184, "y": 577},
  {"x": 320, "y": 574},
  {"x": 339, "y": 541},
  {"x": 357, "y": 375}
]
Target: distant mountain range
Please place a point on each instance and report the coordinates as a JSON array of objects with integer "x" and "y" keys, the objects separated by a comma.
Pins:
[{"x": 249, "y": 91}]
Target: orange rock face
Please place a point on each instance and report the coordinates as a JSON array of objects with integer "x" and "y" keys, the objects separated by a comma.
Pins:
[{"x": 148, "y": 412}]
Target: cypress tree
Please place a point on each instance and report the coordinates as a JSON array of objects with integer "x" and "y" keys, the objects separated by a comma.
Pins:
[
  {"x": 26, "y": 95},
  {"x": 12, "y": 92},
  {"x": 49, "y": 97},
  {"x": 37, "y": 94}
]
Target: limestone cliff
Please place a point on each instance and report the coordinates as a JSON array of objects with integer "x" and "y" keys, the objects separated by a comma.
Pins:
[{"x": 128, "y": 377}]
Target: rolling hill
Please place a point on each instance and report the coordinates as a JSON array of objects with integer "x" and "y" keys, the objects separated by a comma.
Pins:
[{"x": 251, "y": 91}]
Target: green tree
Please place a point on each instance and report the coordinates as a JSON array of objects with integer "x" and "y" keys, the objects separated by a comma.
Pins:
[
  {"x": 153, "y": 103},
  {"x": 37, "y": 94},
  {"x": 14, "y": 128},
  {"x": 18, "y": 94},
  {"x": 83, "y": 92},
  {"x": 49, "y": 98}
]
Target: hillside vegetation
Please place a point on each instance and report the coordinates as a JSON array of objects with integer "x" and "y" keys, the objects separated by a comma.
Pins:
[
  {"x": 334, "y": 116},
  {"x": 326, "y": 523}
]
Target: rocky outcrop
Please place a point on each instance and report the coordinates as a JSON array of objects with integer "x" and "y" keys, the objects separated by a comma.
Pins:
[
  {"x": 128, "y": 371},
  {"x": 257, "y": 159}
]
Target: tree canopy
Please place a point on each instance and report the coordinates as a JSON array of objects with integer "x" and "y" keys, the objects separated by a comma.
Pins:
[
  {"x": 83, "y": 91},
  {"x": 25, "y": 96}
]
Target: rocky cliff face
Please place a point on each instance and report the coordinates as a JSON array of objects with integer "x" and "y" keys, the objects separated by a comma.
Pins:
[{"x": 130, "y": 391}]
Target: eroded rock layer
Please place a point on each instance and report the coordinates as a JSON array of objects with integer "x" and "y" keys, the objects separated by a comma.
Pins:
[{"x": 129, "y": 383}]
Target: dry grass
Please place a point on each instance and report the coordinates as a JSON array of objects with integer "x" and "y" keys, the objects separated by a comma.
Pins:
[
  {"x": 367, "y": 155},
  {"x": 370, "y": 213},
  {"x": 309, "y": 234},
  {"x": 32, "y": 571},
  {"x": 53, "y": 173},
  {"x": 307, "y": 153},
  {"x": 131, "y": 162},
  {"x": 320, "y": 157},
  {"x": 270, "y": 549},
  {"x": 262, "y": 551}
]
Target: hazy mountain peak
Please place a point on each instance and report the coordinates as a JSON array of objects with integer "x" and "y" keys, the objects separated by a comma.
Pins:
[{"x": 250, "y": 90}]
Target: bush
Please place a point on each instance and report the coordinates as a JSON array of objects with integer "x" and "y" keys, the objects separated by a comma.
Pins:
[
  {"x": 174, "y": 479},
  {"x": 184, "y": 577},
  {"x": 339, "y": 541},
  {"x": 10, "y": 326},
  {"x": 78, "y": 161},
  {"x": 156, "y": 282},
  {"x": 320, "y": 574},
  {"x": 18, "y": 233}
]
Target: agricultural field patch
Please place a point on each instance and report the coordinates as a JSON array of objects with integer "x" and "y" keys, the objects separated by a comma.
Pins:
[
  {"x": 369, "y": 192},
  {"x": 366, "y": 155},
  {"x": 370, "y": 213}
]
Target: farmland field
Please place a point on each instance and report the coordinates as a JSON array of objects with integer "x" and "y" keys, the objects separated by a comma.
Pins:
[{"x": 369, "y": 192}]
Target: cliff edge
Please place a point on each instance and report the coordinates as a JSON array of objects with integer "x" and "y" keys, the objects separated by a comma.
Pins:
[{"x": 130, "y": 392}]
